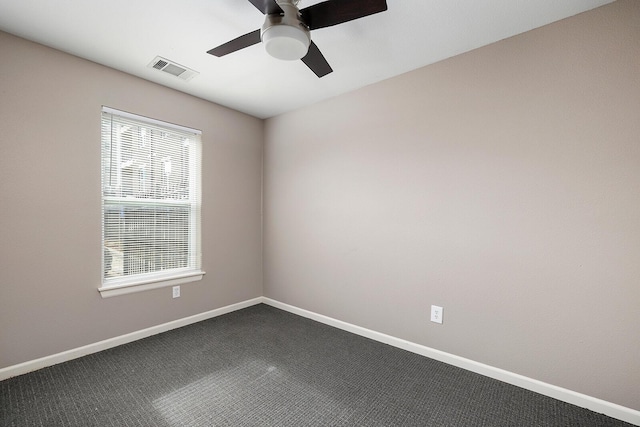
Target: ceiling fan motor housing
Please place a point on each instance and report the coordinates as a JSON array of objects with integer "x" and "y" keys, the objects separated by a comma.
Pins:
[{"x": 285, "y": 36}]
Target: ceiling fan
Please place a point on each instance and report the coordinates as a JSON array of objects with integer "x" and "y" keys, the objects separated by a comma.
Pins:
[{"x": 286, "y": 30}]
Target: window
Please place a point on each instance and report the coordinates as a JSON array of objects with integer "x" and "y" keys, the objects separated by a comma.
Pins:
[{"x": 150, "y": 203}]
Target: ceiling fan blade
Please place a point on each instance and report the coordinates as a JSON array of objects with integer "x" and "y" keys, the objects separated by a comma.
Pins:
[
  {"x": 333, "y": 12},
  {"x": 267, "y": 7},
  {"x": 316, "y": 61},
  {"x": 241, "y": 42}
]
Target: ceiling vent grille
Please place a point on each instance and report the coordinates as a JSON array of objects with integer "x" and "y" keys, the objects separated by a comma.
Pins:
[{"x": 170, "y": 67}]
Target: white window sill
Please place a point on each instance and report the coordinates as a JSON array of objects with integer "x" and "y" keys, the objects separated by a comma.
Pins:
[{"x": 147, "y": 284}]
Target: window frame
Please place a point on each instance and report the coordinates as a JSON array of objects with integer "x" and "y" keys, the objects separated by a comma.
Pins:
[{"x": 173, "y": 276}]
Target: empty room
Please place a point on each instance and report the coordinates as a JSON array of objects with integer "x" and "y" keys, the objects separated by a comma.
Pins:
[{"x": 320, "y": 213}]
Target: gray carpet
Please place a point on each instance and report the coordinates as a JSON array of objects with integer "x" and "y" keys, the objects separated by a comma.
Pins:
[{"x": 265, "y": 367}]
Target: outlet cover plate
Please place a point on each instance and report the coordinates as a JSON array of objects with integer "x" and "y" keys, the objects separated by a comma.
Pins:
[
  {"x": 176, "y": 291},
  {"x": 436, "y": 314}
]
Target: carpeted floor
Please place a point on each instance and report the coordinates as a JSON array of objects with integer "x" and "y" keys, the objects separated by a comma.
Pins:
[{"x": 265, "y": 367}]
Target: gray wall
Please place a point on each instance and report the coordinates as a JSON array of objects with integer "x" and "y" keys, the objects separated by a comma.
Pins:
[
  {"x": 50, "y": 217},
  {"x": 502, "y": 184}
]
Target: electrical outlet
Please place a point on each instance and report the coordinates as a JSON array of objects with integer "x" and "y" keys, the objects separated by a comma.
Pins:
[
  {"x": 176, "y": 291},
  {"x": 436, "y": 314}
]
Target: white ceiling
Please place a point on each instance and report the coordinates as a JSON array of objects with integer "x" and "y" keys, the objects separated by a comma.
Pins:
[{"x": 127, "y": 35}]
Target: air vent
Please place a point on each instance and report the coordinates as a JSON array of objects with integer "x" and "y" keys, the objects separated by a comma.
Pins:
[{"x": 170, "y": 67}]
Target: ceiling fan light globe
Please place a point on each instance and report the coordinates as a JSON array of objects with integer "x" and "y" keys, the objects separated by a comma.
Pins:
[{"x": 286, "y": 42}]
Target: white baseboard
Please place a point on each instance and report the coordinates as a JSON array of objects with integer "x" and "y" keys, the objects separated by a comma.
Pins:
[
  {"x": 582, "y": 400},
  {"x": 43, "y": 362},
  {"x": 597, "y": 405}
]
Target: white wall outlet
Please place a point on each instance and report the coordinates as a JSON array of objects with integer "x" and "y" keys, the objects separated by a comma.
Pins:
[
  {"x": 176, "y": 291},
  {"x": 436, "y": 314}
]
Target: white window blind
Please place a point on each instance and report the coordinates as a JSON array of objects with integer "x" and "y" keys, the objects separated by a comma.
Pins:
[{"x": 150, "y": 203}]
